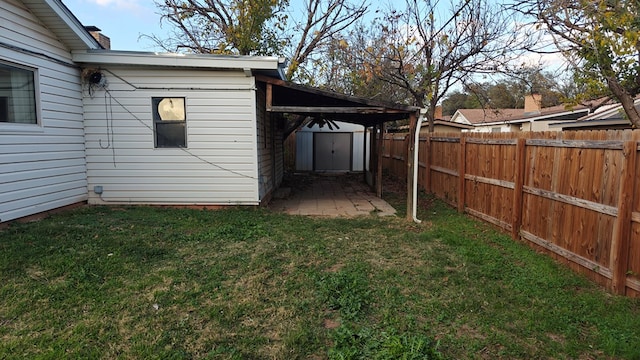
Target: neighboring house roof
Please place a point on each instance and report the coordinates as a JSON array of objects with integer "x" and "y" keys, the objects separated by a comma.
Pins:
[
  {"x": 267, "y": 65},
  {"x": 610, "y": 116},
  {"x": 59, "y": 19},
  {"x": 437, "y": 122},
  {"x": 481, "y": 117}
]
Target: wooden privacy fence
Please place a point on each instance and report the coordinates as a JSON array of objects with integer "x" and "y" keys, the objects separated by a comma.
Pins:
[{"x": 573, "y": 195}]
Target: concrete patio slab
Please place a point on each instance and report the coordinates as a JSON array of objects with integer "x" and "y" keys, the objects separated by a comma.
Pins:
[{"x": 341, "y": 195}]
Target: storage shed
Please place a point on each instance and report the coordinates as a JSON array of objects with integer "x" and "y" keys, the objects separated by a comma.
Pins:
[{"x": 341, "y": 147}]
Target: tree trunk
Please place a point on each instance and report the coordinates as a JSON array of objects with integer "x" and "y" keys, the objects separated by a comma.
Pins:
[{"x": 626, "y": 100}]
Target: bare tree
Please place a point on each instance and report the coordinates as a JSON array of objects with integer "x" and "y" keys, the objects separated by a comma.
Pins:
[
  {"x": 325, "y": 21},
  {"x": 256, "y": 27},
  {"x": 429, "y": 47},
  {"x": 601, "y": 38}
]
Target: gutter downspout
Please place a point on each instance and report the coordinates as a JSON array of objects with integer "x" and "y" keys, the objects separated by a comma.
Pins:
[{"x": 416, "y": 146}]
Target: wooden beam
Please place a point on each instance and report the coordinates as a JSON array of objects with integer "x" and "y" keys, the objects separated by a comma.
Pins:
[
  {"x": 334, "y": 110},
  {"x": 621, "y": 241},
  {"x": 496, "y": 182},
  {"x": 571, "y": 200},
  {"x": 269, "y": 97},
  {"x": 579, "y": 144},
  {"x": 589, "y": 264}
]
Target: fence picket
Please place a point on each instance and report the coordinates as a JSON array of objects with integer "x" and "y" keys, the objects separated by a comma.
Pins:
[{"x": 569, "y": 194}]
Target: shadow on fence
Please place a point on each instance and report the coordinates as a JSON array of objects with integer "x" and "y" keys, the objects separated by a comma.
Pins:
[{"x": 573, "y": 195}]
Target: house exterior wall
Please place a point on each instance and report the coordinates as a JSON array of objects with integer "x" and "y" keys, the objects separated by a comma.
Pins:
[
  {"x": 218, "y": 165},
  {"x": 42, "y": 167},
  {"x": 497, "y": 128},
  {"x": 305, "y": 146},
  {"x": 270, "y": 147},
  {"x": 539, "y": 126}
]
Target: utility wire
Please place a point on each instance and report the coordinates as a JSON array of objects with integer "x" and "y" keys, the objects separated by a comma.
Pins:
[{"x": 180, "y": 147}]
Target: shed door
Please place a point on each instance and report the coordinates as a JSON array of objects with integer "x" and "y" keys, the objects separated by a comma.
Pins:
[{"x": 332, "y": 151}]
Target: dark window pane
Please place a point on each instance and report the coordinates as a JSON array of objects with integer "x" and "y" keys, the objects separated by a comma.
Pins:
[
  {"x": 170, "y": 134},
  {"x": 169, "y": 119},
  {"x": 17, "y": 95}
]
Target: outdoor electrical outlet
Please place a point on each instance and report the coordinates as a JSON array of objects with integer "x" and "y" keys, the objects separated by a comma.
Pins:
[{"x": 97, "y": 189}]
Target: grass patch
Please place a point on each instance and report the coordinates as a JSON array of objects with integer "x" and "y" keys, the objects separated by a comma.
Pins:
[{"x": 144, "y": 282}]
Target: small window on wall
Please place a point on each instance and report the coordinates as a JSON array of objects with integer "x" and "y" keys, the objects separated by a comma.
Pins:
[
  {"x": 169, "y": 122},
  {"x": 17, "y": 95}
]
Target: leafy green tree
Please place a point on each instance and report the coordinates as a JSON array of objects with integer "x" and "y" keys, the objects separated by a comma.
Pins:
[
  {"x": 245, "y": 27},
  {"x": 602, "y": 40}
]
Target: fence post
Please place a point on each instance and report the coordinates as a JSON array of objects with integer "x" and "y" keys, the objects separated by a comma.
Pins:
[
  {"x": 619, "y": 256},
  {"x": 410, "y": 149},
  {"x": 380, "y": 157},
  {"x": 461, "y": 169},
  {"x": 521, "y": 152},
  {"x": 427, "y": 165}
]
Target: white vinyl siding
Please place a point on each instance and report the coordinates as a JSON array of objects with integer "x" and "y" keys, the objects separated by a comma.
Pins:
[
  {"x": 218, "y": 165},
  {"x": 305, "y": 145},
  {"x": 42, "y": 166}
]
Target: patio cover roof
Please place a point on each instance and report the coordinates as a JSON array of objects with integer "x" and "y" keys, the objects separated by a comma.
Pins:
[{"x": 287, "y": 97}]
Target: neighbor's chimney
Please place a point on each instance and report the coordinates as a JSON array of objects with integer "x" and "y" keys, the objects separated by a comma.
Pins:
[
  {"x": 102, "y": 39},
  {"x": 438, "y": 113},
  {"x": 532, "y": 103}
]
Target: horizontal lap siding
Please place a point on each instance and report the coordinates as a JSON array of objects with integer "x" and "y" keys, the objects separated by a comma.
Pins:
[
  {"x": 219, "y": 164},
  {"x": 41, "y": 167}
]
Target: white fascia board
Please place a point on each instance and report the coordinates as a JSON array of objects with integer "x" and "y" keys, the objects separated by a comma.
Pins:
[
  {"x": 583, "y": 123},
  {"x": 110, "y": 57},
  {"x": 457, "y": 117},
  {"x": 537, "y": 118},
  {"x": 74, "y": 25}
]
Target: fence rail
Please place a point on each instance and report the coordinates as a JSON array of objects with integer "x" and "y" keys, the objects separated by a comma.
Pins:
[{"x": 573, "y": 195}]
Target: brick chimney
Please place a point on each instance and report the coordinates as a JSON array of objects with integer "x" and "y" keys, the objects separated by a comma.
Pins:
[
  {"x": 102, "y": 39},
  {"x": 532, "y": 104},
  {"x": 438, "y": 113}
]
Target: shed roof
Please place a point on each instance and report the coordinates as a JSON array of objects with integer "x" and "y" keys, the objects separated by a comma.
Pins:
[{"x": 291, "y": 98}]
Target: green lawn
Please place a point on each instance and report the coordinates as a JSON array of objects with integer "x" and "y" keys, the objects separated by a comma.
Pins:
[{"x": 143, "y": 282}]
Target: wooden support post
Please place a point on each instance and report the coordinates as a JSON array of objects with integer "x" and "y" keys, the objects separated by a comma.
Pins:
[
  {"x": 521, "y": 152},
  {"x": 620, "y": 243},
  {"x": 380, "y": 158},
  {"x": 364, "y": 155},
  {"x": 269, "y": 97},
  {"x": 413, "y": 122},
  {"x": 461, "y": 170}
]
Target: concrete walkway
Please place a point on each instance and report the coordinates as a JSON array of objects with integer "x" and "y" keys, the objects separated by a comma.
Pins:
[{"x": 329, "y": 195}]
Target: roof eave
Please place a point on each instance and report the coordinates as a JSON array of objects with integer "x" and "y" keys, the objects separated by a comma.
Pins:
[
  {"x": 61, "y": 21},
  {"x": 135, "y": 58},
  {"x": 589, "y": 123}
]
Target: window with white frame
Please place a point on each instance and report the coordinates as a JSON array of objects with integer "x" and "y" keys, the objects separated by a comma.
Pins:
[
  {"x": 17, "y": 95},
  {"x": 169, "y": 122}
]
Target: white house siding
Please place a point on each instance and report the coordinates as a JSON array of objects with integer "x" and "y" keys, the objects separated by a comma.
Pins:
[
  {"x": 42, "y": 167},
  {"x": 305, "y": 146},
  {"x": 219, "y": 165}
]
